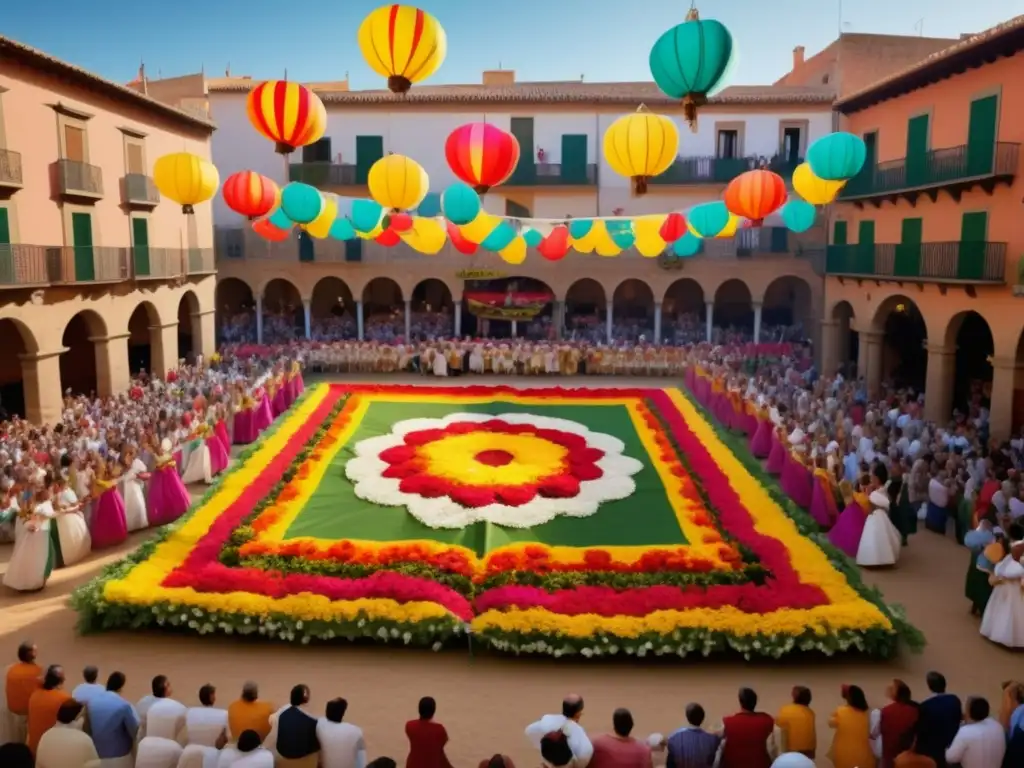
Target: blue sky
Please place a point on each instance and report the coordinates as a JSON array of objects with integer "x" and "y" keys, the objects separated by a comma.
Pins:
[{"x": 541, "y": 39}]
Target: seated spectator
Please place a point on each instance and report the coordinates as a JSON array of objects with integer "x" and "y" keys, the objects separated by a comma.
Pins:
[
  {"x": 247, "y": 753},
  {"x": 165, "y": 717},
  {"x": 619, "y": 749},
  {"x": 158, "y": 752},
  {"x": 250, "y": 713},
  {"x": 692, "y": 746},
  {"x": 44, "y": 704},
  {"x": 341, "y": 744},
  {"x": 66, "y": 745},
  {"x": 206, "y": 725},
  {"x": 427, "y": 738},
  {"x": 296, "y": 742}
]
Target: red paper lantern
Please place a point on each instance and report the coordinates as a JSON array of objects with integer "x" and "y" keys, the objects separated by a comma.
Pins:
[
  {"x": 388, "y": 237},
  {"x": 462, "y": 245},
  {"x": 250, "y": 194},
  {"x": 481, "y": 155},
  {"x": 268, "y": 231},
  {"x": 556, "y": 245},
  {"x": 673, "y": 228},
  {"x": 399, "y": 222},
  {"x": 755, "y": 194}
]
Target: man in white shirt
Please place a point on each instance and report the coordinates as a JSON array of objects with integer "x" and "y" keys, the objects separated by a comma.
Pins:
[
  {"x": 981, "y": 741},
  {"x": 341, "y": 744},
  {"x": 157, "y": 752},
  {"x": 83, "y": 691},
  {"x": 248, "y": 753},
  {"x": 206, "y": 725},
  {"x": 567, "y": 723},
  {"x": 65, "y": 745},
  {"x": 165, "y": 717},
  {"x": 160, "y": 688}
]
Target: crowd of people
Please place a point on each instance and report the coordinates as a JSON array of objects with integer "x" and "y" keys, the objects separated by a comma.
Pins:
[
  {"x": 48, "y": 722},
  {"x": 120, "y": 464}
]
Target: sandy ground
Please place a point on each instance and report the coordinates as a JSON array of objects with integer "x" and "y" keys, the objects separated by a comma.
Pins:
[{"x": 486, "y": 701}]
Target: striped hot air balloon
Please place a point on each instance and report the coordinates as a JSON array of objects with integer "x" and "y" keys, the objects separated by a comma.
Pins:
[
  {"x": 755, "y": 194},
  {"x": 251, "y": 194},
  {"x": 289, "y": 114},
  {"x": 403, "y": 44},
  {"x": 481, "y": 155}
]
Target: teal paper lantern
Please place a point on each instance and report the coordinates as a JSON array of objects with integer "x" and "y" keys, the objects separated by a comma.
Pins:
[
  {"x": 533, "y": 238},
  {"x": 431, "y": 206},
  {"x": 798, "y": 215},
  {"x": 366, "y": 215},
  {"x": 342, "y": 229},
  {"x": 580, "y": 228},
  {"x": 692, "y": 61},
  {"x": 280, "y": 220},
  {"x": 461, "y": 204},
  {"x": 624, "y": 238},
  {"x": 301, "y": 203},
  {"x": 837, "y": 156},
  {"x": 502, "y": 235},
  {"x": 686, "y": 246},
  {"x": 708, "y": 219}
]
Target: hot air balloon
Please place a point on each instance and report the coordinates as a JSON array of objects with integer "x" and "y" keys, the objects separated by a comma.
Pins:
[
  {"x": 692, "y": 61},
  {"x": 398, "y": 182},
  {"x": 813, "y": 189},
  {"x": 288, "y": 114},
  {"x": 403, "y": 44},
  {"x": 265, "y": 229},
  {"x": 250, "y": 194},
  {"x": 641, "y": 145},
  {"x": 186, "y": 179},
  {"x": 755, "y": 194},
  {"x": 481, "y": 155}
]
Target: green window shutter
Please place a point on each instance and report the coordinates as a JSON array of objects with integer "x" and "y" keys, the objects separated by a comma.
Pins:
[
  {"x": 354, "y": 250},
  {"x": 7, "y": 276},
  {"x": 779, "y": 240},
  {"x": 908, "y": 252},
  {"x": 981, "y": 136},
  {"x": 307, "y": 251},
  {"x": 970, "y": 263},
  {"x": 917, "y": 151},
  {"x": 865, "y": 253},
  {"x": 574, "y": 159},
  {"x": 81, "y": 232},
  {"x": 369, "y": 149},
  {"x": 526, "y": 170},
  {"x": 839, "y": 233},
  {"x": 140, "y": 247}
]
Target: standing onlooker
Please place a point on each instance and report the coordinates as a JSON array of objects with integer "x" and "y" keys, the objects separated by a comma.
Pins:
[
  {"x": 113, "y": 723},
  {"x": 21, "y": 680},
  {"x": 89, "y": 688},
  {"x": 897, "y": 719},
  {"x": 691, "y": 746},
  {"x": 851, "y": 745},
  {"x": 569, "y": 723},
  {"x": 341, "y": 744},
  {"x": 296, "y": 742},
  {"x": 426, "y": 738},
  {"x": 15, "y": 755},
  {"x": 66, "y": 745},
  {"x": 44, "y": 704},
  {"x": 250, "y": 713},
  {"x": 939, "y": 720},
  {"x": 796, "y": 723},
  {"x": 981, "y": 741},
  {"x": 619, "y": 749},
  {"x": 747, "y": 735}
]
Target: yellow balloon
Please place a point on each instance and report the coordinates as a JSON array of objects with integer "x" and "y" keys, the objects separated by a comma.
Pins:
[
  {"x": 320, "y": 227},
  {"x": 641, "y": 145},
  {"x": 398, "y": 182},
  {"x": 426, "y": 235},
  {"x": 602, "y": 240},
  {"x": 479, "y": 228},
  {"x": 814, "y": 190},
  {"x": 186, "y": 179},
  {"x": 586, "y": 243},
  {"x": 403, "y": 44},
  {"x": 514, "y": 252},
  {"x": 730, "y": 229},
  {"x": 647, "y": 230},
  {"x": 372, "y": 234}
]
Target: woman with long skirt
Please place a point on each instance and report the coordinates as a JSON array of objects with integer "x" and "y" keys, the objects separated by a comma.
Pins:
[
  {"x": 71, "y": 540},
  {"x": 879, "y": 541},
  {"x": 109, "y": 525},
  {"x": 134, "y": 491},
  {"x": 168, "y": 497},
  {"x": 218, "y": 453},
  {"x": 823, "y": 500},
  {"x": 779, "y": 454},
  {"x": 1003, "y": 621},
  {"x": 849, "y": 528},
  {"x": 33, "y": 558}
]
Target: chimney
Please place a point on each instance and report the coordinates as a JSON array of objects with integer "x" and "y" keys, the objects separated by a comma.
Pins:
[
  {"x": 499, "y": 77},
  {"x": 798, "y": 57}
]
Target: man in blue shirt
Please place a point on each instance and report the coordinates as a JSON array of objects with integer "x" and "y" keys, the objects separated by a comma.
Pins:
[
  {"x": 113, "y": 724},
  {"x": 692, "y": 746},
  {"x": 939, "y": 720}
]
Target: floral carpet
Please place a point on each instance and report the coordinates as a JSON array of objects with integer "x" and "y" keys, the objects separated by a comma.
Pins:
[{"x": 556, "y": 521}]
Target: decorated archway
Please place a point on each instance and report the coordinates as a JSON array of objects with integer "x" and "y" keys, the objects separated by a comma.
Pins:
[
  {"x": 682, "y": 312},
  {"x": 904, "y": 359},
  {"x": 431, "y": 310},
  {"x": 733, "y": 307},
  {"x": 79, "y": 366},
  {"x": 786, "y": 309},
  {"x": 846, "y": 340},
  {"x": 188, "y": 326},
  {"x": 140, "y": 340},
  {"x": 633, "y": 310},
  {"x": 236, "y": 311},
  {"x": 283, "y": 313},
  {"x": 332, "y": 310},
  {"x": 17, "y": 340},
  {"x": 585, "y": 310},
  {"x": 970, "y": 334},
  {"x": 506, "y": 306}
]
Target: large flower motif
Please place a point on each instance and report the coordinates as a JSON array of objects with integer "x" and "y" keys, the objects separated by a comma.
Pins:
[{"x": 516, "y": 470}]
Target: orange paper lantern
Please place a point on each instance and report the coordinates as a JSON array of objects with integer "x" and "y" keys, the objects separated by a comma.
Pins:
[
  {"x": 250, "y": 194},
  {"x": 755, "y": 194}
]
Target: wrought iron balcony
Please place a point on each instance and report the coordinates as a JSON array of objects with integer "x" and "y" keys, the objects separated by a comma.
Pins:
[
  {"x": 139, "y": 191},
  {"x": 78, "y": 179},
  {"x": 552, "y": 175},
  {"x": 324, "y": 174},
  {"x": 953, "y": 262},
  {"x": 170, "y": 263},
  {"x": 952, "y": 167},
  {"x": 10, "y": 169},
  {"x": 720, "y": 170}
]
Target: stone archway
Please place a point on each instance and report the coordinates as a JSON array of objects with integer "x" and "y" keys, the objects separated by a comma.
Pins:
[
  {"x": 188, "y": 331},
  {"x": 683, "y": 311},
  {"x": 431, "y": 310},
  {"x": 899, "y": 331},
  {"x": 632, "y": 310},
  {"x": 786, "y": 309},
  {"x": 382, "y": 308},
  {"x": 19, "y": 389},
  {"x": 971, "y": 336},
  {"x": 586, "y": 310},
  {"x": 140, "y": 338},
  {"x": 236, "y": 311},
  {"x": 842, "y": 350},
  {"x": 81, "y": 369},
  {"x": 283, "y": 314},
  {"x": 332, "y": 309},
  {"x": 733, "y": 307}
]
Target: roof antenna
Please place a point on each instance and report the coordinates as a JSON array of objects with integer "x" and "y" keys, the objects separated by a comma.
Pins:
[
  {"x": 286, "y": 73},
  {"x": 227, "y": 70}
]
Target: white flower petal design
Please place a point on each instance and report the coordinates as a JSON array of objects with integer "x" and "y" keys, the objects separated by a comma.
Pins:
[{"x": 366, "y": 470}]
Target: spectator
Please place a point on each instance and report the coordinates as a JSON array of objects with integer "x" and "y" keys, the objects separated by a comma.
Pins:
[
  {"x": 250, "y": 713},
  {"x": 296, "y": 744},
  {"x": 619, "y": 749},
  {"x": 207, "y": 724},
  {"x": 341, "y": 744},
  {"x": 66, "y": 745},
  {"x": 939, "y": 720},
  {"x": 796, "y": 723},
  {"x": 21, "y": 681},
  {"x": 158, "y": 752},
  {"x": 981, "y": 741},
  {"x": 44, "y": 704},
  {"x": 495, "y": 761},
  {"x": 249, "y": 753},
  {"x": 89, "y": 688},
  {"x": 747, "y": 735},
  {"x": 568, "y": 722},
  {"x": 909, "y": 756},
  {"x": 897, "y": 719},
  {"x": 426, "y": 738},
  {"x": 113, "y": 723},
  {"x": 164, "y": 717},
  {"x": 15, "y": 755},
  {"x": 691, "y": 746},
  {"x": 555, "y": 751},
  {"x": 159, "y": 688},
  {"x": 851, "y": 744}
]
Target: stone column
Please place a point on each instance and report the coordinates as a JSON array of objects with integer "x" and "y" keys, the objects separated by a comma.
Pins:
[
  {"x": 657, "y": 322},
  {"x": 558, "y": 317},
  {"x": 1004, "y": 384},
  {"x": 869, "y": 360},
  {"x": 515, "y": 329},
  {"x": 829, "y": 347},
  {"x": 163, "y": 346},
  {"x": 408, "y": 319},
  {"x": 307, "y": 312},
  {"x": 757, "y": 322},
  {"x": 40, "y": 374},
  {"x": 112, "y": 374},
  {"x": 709, "y": 320},
  {"x": 359, "y": 320},
  {"x": 259, "y": 319},
  {"x": 938, "y": 386},
  {"x": 204, "y": 333},
  {"x": 458, "y": 320},
  {"x": 609, "y": 320}
]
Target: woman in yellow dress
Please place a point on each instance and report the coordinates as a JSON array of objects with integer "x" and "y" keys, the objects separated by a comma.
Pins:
[{"x": 851, "y": 745}]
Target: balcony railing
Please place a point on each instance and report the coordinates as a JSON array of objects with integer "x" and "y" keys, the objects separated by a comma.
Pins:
[
  {"x": 552, "y": 175},
  {"x": 27, "y": 266},
  {"x": 324, "y": 174},
  {"x": 966, "y": 262},
  {"x": 78, "y": 179},
  {"x": 10, "y": 169},
  {"x": 935, "y": 168},
  {"x": 720, "y": 170},
  {"x": 140, "y": 190}
]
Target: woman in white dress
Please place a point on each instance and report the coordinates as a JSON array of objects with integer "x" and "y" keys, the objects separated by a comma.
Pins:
[
  {"x": 880, "y": 541},
  {"x": 134, "y": 492},
  {"x": 476, "y": 359},
  {"x": 70, "y": 529},
  {"x": 32, "y": 559},
  {"x": 440, "y": 363},
  {"x": 1003, "y": 620},
  {"x": 198, "y": 468}
]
